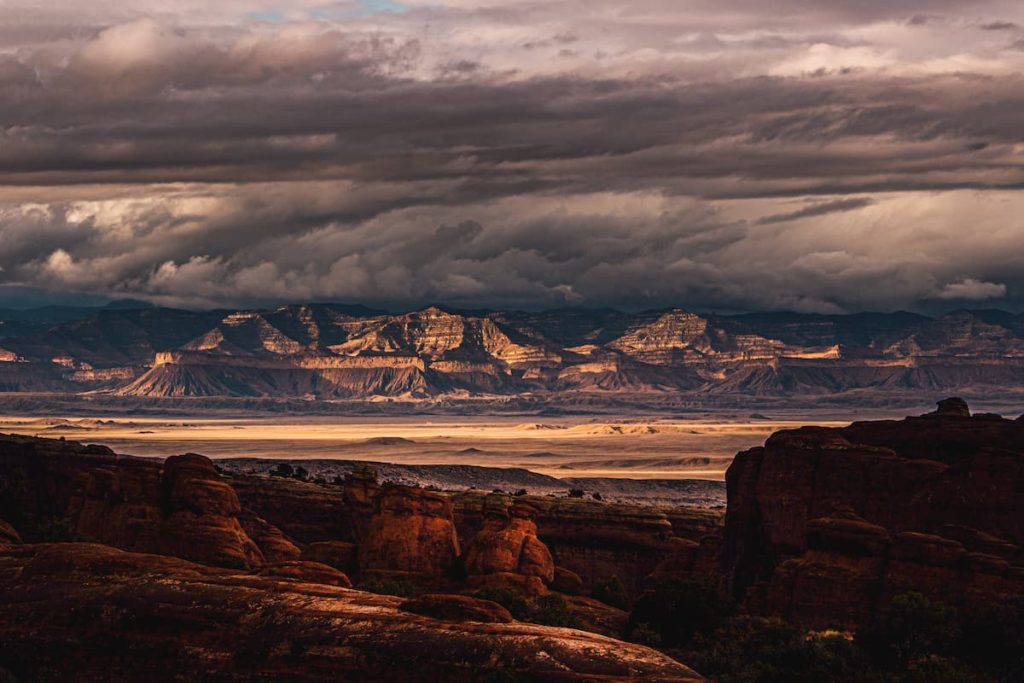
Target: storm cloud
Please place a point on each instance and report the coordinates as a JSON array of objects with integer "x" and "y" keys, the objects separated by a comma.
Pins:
[{"x": 818, "y": 156}]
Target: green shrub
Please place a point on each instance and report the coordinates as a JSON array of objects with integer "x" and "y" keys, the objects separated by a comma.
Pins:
[
  {"x": 553, "y": 610},
  {"x": 507, "y": 598},
  {"x": 549, "y": 610},
  {"x": 759, "y": 650},
  {"x": 677, "y": 610},
  {"x": 935, "y": 669},
  {"x": 910, "y": 628},
  {"x": 389, "y": 586},
  {"x": 610, "y": 591},
  {"x": 992, "y": 639}
]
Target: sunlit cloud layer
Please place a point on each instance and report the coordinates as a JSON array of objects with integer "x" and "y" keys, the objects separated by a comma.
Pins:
[{"x": 817, "y": 156}]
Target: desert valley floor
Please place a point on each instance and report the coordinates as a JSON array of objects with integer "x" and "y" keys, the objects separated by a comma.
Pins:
[{"x": 634, "y": 447}]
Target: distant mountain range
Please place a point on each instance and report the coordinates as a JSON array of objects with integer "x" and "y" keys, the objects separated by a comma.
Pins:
[{"x": 330, "y": 351}]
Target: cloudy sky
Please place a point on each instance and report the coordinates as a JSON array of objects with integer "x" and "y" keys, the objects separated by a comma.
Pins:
[{"x": 809, "y": 155}]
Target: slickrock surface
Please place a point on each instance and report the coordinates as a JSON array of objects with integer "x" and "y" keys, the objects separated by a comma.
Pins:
[
  {"x": 95, "y": 613},
  {"x": 826, "y": 525}
]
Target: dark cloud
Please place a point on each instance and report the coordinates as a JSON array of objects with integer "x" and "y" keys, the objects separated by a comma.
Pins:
[
  {"x": 818, "y": 209},
  {"x": 513, "y": 153}
]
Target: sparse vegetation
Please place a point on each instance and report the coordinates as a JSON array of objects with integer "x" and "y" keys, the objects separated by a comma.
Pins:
[
  {"x": 678, "y": 610},
  {"x": 287, "y": 471},
  {"x": 610, "y": 591},
  {"x": 548, "y": 610},
  {"x": 915, "y": 640},
  {"x": 389, "y": 586}
]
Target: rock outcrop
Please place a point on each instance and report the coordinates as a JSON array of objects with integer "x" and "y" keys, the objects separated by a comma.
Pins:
[
  {"x": 201, "y": 516},
  {"x": 181, "y": 507},
  {"x": 194, "y": 622},
  {"x": 506, "y": 551},
  {"x": 309, "y": 572},
  {"x": 827, "y": 525},
  {"x": 8, "y": 535},
  {"x": 338, "y": 554},
  {"x": 272, "y": 542},
  {"x": 412, "y": 532}
]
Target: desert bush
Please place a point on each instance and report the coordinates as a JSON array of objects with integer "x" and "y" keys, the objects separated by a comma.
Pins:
[
  {"x": 511, "y": 600},
  {"x": 758, "y": 650},
  {"x": 389, "y": 586},
  {"x": 910, "y": 628},
  {"x": 610, "y": 591},
  {"x": 677, "y": 610},
  {"x": 552, "y": 610}
]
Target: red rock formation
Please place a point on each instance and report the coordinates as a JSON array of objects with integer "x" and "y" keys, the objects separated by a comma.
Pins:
[
  {"x": 181, "y": 507},
  {"x": 595, "y": 540},
  {"x": 826, "y": 525},
  {"x": 275, "y": 546},
  {"x": 303, "y": 511},
  {"x": 507, "y": 551},
  {"x": 201, "y": 515},
  {"x": 412, "y": 531},
  {"x": 457, "y": 608},
  {"x": 309, "y": 572},
  {"x": 600, "y": 540},
  {"x": 360, "y": 491},
  {"x": 338, "y": 554},
  {"x": 566, "y": 581},
  {"x": 203, "y": 623}
]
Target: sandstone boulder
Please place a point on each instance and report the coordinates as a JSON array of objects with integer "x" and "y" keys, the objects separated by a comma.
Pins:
[{"x": 567, "y": 581}]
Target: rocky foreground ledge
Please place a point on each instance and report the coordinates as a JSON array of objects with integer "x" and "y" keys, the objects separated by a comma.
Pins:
[{"x": 95, "y": 613}]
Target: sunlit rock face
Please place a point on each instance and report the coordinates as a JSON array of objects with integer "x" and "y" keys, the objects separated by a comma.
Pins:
[
  {"x": 829, "y": 524},
  {"x": 412, "y": 532},
  {"x": 506, "y": 551}
]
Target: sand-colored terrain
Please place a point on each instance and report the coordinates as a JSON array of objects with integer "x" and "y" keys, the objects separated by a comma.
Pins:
[{"x": 635, "y": 448}]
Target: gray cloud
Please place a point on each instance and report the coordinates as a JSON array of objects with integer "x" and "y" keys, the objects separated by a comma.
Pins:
[
  {"x": 512, "y": 153},
  {"x": 818, "y": 209}
]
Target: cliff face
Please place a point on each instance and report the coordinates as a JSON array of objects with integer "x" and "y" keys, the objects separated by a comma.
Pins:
[
  {"x": 336, "y": 352},
  {"x": 826, "y": 525}
]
